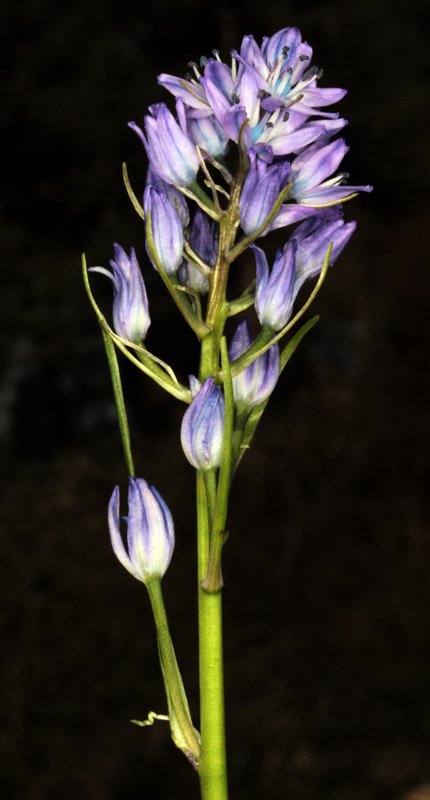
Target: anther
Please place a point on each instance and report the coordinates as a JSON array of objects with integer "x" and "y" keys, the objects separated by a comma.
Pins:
[
  {"x": 235, "y": 97},
  {"x": 304, "y": 58},
  {"x": 312, "y": 72},
  {"x": 269, "y": 124},
  {"x": 262, "y": 94},
  {"x": 203, "y": 61},
  {"x": 286, "y": 116},
  {"x": 285, "y": 50}
]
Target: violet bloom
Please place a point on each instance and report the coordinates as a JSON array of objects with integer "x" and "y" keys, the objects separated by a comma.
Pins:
[
  {"x": 207, "y": 133},
  {"x": 171, "y": 153},
  {"x": 302, "y": 258},
  {"x": 313, "y": 238},
  {"x": 131, "y": 318},
  {"x": 261, "y": 189},
  {"x": 203, "y": 239},
  {"x": 274, "y": 295},
  {"x": 150, "y": 531},
  {"x": 164, "y": 228},
  {"x": 256, "y": 382},
  {"x": 203, "y": 426},
  {"x": 311, "y": 171},
  {"x": 273, "y": 87},
  {"x": 173, "y": 195}
]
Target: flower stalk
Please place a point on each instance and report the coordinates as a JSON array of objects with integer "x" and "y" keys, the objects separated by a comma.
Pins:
[{"x": 268, "y": 107}]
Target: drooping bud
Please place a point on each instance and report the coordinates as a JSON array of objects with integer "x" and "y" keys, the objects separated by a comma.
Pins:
[
  {"x": 150, "y": 531},
  {"x": 171, "y": 153},
  {"x": 131, "y": 318},
  {"x": 274, "y": 295},
  {"x": 203, "y": 426},
  {"x": 164, "y": 232},
  {"x": 256, "y": 382},
  {"x": 262, "y": 187}
]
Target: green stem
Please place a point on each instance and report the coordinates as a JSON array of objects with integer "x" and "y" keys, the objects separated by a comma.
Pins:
[
  {"x": 213, "y": 762},
  {"x": 119, "y": 400},
  {"x": 183, "y": 732}
]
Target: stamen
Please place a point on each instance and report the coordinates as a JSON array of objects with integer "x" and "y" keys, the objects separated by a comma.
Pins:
[
  {"x": 312, "y": 72},
  {"x": 216, "y": 54},
  {"x": 188, "y": 76},
  {"x": 195, "y": 67},
  {"x": 203, "y": 61}
]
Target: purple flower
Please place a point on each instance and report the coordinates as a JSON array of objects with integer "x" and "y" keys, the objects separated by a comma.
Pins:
[
  {"x": 274, "y": 296},
  {"x": 164, "y": 228},
  {"x": 130, "y": 303},
  {"x": 208, "y": 134},
  {"x": 302, "y": 258},
  {"x": 150, "y": 531},
  {"x": 313, "y": 238},
  {"x": 310, "y": 171},
  {"x": 173, "y": 195},
  {"x": 256, "y": 382},
  {"x": 273, "y": 87},
  {"x": 172, "y": 155},
  {"x": 261, "y": 189},
  {"x": 204, "y": 241},
  {"x": 203, "y": 426},
  {"x": 286, "y": 78}
]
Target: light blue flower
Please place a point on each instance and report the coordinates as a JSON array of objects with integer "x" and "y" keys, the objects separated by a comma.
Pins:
[{"x": 150, "y": 531}]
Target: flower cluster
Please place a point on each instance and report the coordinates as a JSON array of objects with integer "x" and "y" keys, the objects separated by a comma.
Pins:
[{"x": 266, "y": 112}]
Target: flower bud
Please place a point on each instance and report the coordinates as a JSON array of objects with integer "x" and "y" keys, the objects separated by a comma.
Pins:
[
  {"x": 313, "y": 238},
  {"x": 203, "y": 426},
  {"x": 131, "y": 318},
  {"x": 256, "y": 382},
  {"x": 203, "y": 239},
  {"x": 171, "y": 153},
  {"x": 150, "y": 531},
  {"x": 260, "y": 191},
  {"x": 274, "y": 296},
  {"x": 165, "y": 235},
  {"x": 208, "y": 134}
]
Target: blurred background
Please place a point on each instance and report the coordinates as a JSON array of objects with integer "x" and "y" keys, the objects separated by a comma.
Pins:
[{"x": 327, "y": 565}]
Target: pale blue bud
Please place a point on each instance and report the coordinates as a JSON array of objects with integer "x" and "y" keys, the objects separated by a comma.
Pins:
[
  {"x": 131, "y": 318},
  {"x": 203, "y": 426},
  {"x": 256, "y": 382},
  {"x": 150, "y": 531}
]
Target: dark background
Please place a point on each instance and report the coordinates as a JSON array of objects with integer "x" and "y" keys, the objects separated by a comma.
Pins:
[{"x": 327, "y": 565}]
